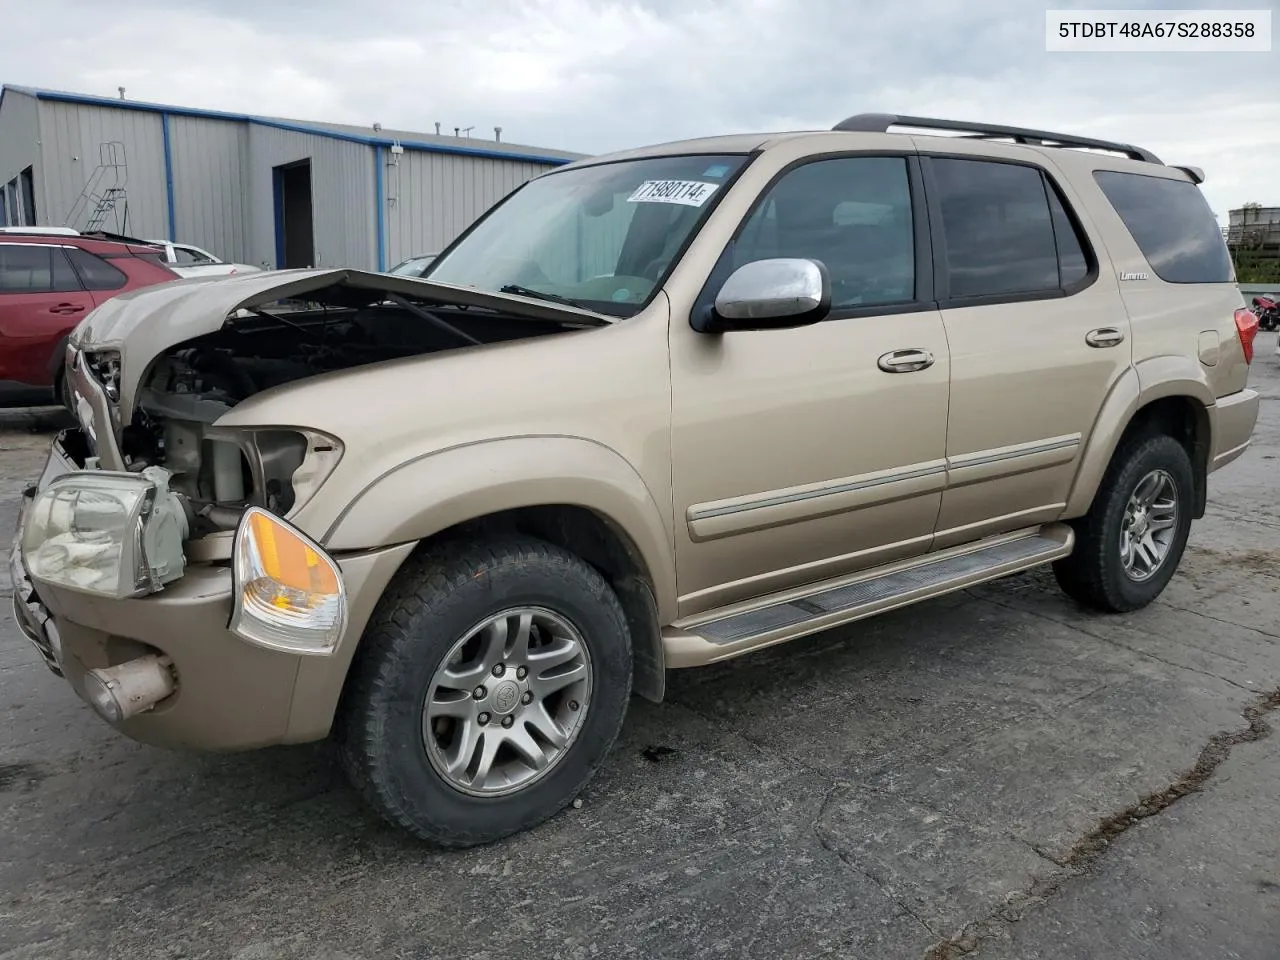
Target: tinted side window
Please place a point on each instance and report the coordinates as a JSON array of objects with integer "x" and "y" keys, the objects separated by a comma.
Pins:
[
  {"x": 96, "y": 273},
  {"x": 851, "y": 213},
  {"x": 1172, "y": 224},
  {"x": 35, "y": 269},
  {"x": 1072, "y": 262},
  {"x": 998, "y": 229}
]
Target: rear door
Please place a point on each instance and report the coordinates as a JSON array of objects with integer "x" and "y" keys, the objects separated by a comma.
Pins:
[
  {"x": 1038, "y": 336},
  {"x": 41, "y": 300}
]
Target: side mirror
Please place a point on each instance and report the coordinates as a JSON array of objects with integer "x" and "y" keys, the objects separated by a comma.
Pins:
[{"x": 773, "y": 294}]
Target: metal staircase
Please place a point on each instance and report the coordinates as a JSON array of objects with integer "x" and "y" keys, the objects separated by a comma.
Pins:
[{"x": 104, "y": 198}]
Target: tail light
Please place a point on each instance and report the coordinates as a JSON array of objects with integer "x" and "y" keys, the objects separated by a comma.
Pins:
[{"x": 1247, "y": 327}]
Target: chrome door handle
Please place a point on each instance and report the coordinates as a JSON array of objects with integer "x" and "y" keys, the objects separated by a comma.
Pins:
[
  {"x": 905, "y": 361},
  {"x": 1104, "y": 337}
]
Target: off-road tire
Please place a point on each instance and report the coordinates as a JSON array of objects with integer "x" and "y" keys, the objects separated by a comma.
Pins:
[
  {"x": 433, "y": 600},
  {"x": 1093, "y": 574}
]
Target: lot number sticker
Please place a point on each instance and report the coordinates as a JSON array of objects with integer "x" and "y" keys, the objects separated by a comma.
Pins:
[{"x": 690, "y": 193}]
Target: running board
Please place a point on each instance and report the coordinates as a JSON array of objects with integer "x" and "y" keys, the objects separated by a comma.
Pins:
[{"x": 721, "y": 634}]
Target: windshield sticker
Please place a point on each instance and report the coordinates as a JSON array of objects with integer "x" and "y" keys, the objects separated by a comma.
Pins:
[
  {"x": 690, "y": 193},
  {"x": 718, "y": 171}
]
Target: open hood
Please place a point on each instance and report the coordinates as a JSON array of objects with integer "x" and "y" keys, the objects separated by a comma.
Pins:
[{"x": 143, "y": 323}]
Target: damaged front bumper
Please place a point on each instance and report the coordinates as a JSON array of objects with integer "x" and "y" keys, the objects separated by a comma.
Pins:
[
  {"x": 194, "y": 683},
  {"x": 31, "y": 615}
]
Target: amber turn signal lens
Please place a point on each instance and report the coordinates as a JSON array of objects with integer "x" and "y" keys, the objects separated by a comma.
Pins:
[
  {"x": 289, "y": 593},
  {"x": 288, "y": 560}
]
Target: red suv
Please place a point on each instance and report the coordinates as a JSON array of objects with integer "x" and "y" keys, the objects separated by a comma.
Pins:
[{"x": 48, "y": 283}]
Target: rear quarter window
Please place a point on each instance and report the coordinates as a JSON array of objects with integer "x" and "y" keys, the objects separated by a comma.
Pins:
[
  {"x": 1172, "y": 224},
  {"x": 96, "y": 273}
]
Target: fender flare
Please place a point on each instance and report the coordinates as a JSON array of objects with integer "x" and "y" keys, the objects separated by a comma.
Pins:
[
  {"x": 1138, "y": 386},
  {"x": 441, "y": 489}
]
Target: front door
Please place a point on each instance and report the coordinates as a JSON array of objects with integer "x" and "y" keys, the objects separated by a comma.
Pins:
[
  {"x": 1038, "y": 335},
  {"x": 803, "y": 454}
]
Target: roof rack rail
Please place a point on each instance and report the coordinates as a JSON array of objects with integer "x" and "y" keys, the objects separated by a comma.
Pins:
[
  {"x": 881, "y": 122},
  {"x": 117, "y": 238}
]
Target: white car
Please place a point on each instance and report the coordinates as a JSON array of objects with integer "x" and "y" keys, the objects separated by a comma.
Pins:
[{"x": 188, "y": 260}]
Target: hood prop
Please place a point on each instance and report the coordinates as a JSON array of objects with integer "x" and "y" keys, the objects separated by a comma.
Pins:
[{"x": 432, "y": 319}]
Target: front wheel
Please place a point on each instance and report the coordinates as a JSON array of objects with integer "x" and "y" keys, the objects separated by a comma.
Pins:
[
  {"x": 489, "y": 686},
  {"x": 1130, "y": 542}
]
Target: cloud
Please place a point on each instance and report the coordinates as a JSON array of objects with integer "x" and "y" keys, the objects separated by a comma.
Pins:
[{"x": 596, "y": 75}]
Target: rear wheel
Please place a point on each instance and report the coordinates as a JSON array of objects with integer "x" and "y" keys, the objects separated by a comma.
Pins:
[
  {"x": 1129, "y": 544},
  {"x": 490, "y": 685}
]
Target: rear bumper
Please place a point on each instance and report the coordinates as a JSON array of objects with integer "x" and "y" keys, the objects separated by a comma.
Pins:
[
  {"x": 231, "y": 695},
  {"x": 1232, "y": 419}
]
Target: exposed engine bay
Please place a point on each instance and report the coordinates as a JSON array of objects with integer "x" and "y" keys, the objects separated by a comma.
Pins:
[{"x": 221, "y": 471}]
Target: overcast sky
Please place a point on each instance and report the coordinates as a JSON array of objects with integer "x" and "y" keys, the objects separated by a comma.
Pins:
[{"x": 596, "y": 75}]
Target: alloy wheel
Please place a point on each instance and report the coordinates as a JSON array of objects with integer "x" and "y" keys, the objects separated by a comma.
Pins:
[{"x": 507, "y": 702}]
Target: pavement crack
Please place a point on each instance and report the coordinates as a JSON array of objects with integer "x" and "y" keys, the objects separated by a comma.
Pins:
[
  {"x": 1242, "y": 518},
  {"x": 1087, "y": 850},
  {"x": 828, "y": 844},
  {"x": 1040, "y": 852},
  {"x": 1229, "y": 623},
  {"x": 1110, "y": 641},
  {"x": 1088, "y": 694}
]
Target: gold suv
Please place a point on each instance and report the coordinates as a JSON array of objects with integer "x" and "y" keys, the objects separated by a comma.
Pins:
[{"x": 653, "y": 410}]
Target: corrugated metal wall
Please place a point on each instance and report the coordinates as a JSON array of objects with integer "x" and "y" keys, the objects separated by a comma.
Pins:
[
  {"x": 342, "y": 189},
  {"x": 20, "y": 145},
  {"x": 433, "y": 197},
  {"x": 211, "y": 185},
  {"x": 223, "y": 181},
  {"x": 72, "y": 134}
]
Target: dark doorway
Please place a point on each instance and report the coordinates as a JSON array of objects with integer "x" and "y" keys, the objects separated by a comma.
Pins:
[
  {"x": 27, "y": 182},
  {"x": 295, "y": 243}
]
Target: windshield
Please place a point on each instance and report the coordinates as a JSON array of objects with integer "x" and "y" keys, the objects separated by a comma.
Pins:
[{"x": 600, "y": 236}]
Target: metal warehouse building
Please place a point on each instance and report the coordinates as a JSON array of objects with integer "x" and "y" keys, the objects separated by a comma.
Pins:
[{"x": 260, "y": 190}]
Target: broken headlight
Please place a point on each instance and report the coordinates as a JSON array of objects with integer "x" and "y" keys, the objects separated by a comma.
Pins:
[{"x": 111, "y": 534}]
